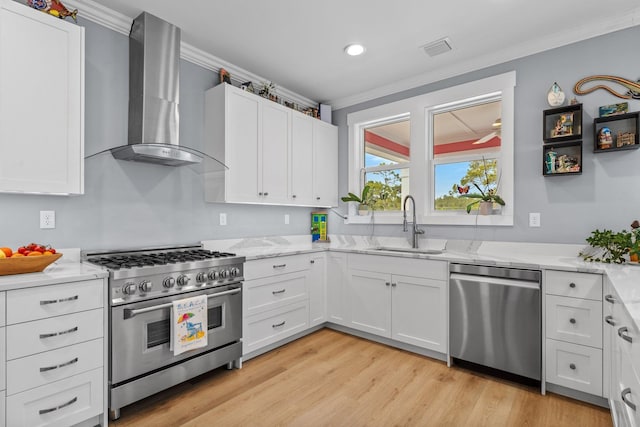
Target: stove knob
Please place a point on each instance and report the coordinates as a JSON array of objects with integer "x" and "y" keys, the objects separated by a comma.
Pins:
[
  {"x": 129, "y": 288},
  {"x": 168, "y": 282},
  {"x": 224, "y": 274},
  {"x": 235, "y": 271},
  {"x": 183, "y": 280},
  {"x": 201, "y": 277},
  {"x": 145, "y": 286},
  {"x": 213, "y": 275}
]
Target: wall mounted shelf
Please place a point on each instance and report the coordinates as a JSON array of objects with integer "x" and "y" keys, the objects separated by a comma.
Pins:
[
  {"x": 562, "y": 159},
  {"x": 562, "y": 124},
  {"x": 616, "y": 133}
]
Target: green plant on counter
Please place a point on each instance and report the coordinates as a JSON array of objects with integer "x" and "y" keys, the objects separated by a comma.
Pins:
[{"x": 610, "y": 247}]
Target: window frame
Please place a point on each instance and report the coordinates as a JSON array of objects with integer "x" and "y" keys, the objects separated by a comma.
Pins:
[{"x": 421, "y": 164}]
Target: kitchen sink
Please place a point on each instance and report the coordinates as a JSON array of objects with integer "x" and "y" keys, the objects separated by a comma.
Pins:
[{"x": 408, "y": 250}]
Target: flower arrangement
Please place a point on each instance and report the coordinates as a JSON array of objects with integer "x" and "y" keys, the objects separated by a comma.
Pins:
[{"x": 487, "y": 191}]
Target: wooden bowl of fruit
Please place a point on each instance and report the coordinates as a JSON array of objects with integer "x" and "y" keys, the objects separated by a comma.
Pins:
[{"x": 31, "y": 258}]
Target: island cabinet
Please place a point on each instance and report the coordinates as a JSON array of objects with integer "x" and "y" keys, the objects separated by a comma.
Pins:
[
  {"x": 42, "y": 102},
  {"x": 402, "y": 299},
  {"x": 624, "y": 375},
  {"x": 574, "y": 345},
  {"x": 55, "y": 354},
  {"x": 273, "y": 154}
]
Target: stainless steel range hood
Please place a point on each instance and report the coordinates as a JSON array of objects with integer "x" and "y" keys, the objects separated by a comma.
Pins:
[{"x": 154, "y": 72}]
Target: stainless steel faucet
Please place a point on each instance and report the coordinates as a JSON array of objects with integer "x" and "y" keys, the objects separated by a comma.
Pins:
[{"x": 414, "y": 230}]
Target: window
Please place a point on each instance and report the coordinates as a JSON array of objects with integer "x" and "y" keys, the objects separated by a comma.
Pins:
[{"x": 449, "y": 137}]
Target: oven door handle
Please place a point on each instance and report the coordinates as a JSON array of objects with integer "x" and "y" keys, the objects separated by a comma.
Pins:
[{"x": 130, "y": 312}]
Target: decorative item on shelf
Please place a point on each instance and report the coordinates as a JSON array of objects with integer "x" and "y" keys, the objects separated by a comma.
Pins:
[
  {"x": 488, "y": 195},
  {"x": 555, "y": 95},
  {"x": 566, "y": 163},
  {"x": 225, "y": 77},
  {"x": 266, "y": 89},
  {"x": 550, "y": 161},
  {"x": 564, "y": 125},
  {"x": 633, "y": 92},
  {"x": 625, "y": 138},
  {"x": 248, "y": 87},
  {"x": 573, "y": 101},
  {"x": 613, "y": 109},
  {"x": 365, "y": 200},
  {"x": 605, "y": 140},
  {"x": 53, "y": 7}
]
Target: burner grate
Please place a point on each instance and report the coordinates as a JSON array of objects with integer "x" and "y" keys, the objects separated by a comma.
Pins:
[{"x": 118, "y": 261}]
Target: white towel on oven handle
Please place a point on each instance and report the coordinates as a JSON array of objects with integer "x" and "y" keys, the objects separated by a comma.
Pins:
[{"x": 188, "y": 324}]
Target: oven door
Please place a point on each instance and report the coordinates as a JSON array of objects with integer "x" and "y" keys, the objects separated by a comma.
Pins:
[{"x": 140, "y": 332}]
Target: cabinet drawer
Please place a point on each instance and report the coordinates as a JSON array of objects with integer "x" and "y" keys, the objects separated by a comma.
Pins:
[
  {"x": 574, "y": 366},
  {"x": 46, "y": 301},
  {"x": 49, "y": 334},
  {"x": 574, "y": 320},
  {"x": 3, "y": 359},
  {"x": 572, "y": 284},
  {"x": 268, "y": 327},
  {"x": 61, "y": 403},
  {"x": 44, "y": 368},
  {"x": 627, "y": 386},
  {"x": 272, "y": 292},
  {"x": 267, "y": 267},
  {"x": 3, "y": 308}
]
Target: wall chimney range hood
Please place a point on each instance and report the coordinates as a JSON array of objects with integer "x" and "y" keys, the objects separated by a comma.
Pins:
[{"x": 154, "y": 72}]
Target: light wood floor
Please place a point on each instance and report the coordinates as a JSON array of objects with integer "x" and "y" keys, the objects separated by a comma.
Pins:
[{"x": 333, "y": 379}]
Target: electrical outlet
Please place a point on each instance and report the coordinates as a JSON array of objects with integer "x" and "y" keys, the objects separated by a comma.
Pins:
[
  {"x": 286, "y": 219},
  {"x": 223, "y": 219},
  {"x": 47, "y": 219},
  {"x": 534, "y": 219}
]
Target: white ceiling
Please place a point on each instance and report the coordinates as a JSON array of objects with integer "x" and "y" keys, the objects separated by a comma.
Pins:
[{"x": 299, "y": 44}]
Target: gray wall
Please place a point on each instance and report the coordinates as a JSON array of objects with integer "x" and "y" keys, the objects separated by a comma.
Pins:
[
  {"x": 605, "y": 195},
  {"x": 128, "y": 204}
]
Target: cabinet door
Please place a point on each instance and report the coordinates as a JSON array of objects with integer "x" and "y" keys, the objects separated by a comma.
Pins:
[
  {"x": 370, "y": 302},
  {"x": 419, "y": 312},
  {"x": 242, "y": 139},
  {"x": 325, "y": 164},
  {"x": 273, "y": 147},
  {"x": 301, "y": 176},
  {"x": 317, "y": 290},
  {"x": 42, "y": 102},
  {"x": 336, "y": 288}
]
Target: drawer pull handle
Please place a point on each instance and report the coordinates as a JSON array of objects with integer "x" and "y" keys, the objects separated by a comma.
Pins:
[
  {"x": 572, "y": 321},
  {"x": 393, "y": 284},
  {"x": 260, "y": 194},
  {"x": 572, "y": 285},
  {"x": 62, "y": 365},
  {"x": 55, "y": 408},
  {"x": 387, "y": 283},
  {"x": 294, "y": 196},
  {"x": 266, "y": 194},
  {"x": 572, "y": 366},
  {"x": 610, "y": 298},
  {"x": 279, "y": 265},
  {"x": 609, "y": 320},
  {"x": 313, "y": 261},
  {"x": 627, "y": 402},
  {"x": 55, "y": 301},
  {"x": 55, "y": 334},
  {"x": 281, "y": 291},
  {"x": 622, "y": 333},
  {"x": 277, "y": 325}
]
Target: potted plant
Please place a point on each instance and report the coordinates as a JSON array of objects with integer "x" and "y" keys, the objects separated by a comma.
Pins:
[
  {"x": 487, "y": 195},
  {"x": 634, "y": 249},
  {"x": 364, "y": 200},
  {"x": 608, "y": 246}
]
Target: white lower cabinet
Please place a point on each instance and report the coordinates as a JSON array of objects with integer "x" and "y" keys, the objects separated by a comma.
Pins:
[
  {"x": 55, "y": 350},
  {"x": 398, "y": 298},
  {"x": 336, "y": 287},
  {"x": 318, "y": 289},
  {"x": 272, "y": 326},
  {"x": 573, "y": 331}
]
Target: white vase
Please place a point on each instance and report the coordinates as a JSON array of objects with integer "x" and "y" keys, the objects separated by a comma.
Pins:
[
  {"x": 363, "y": 210},
  {"x": 486, "y": 208}
]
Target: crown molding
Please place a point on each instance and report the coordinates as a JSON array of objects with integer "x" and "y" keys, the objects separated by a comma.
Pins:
[
  {"x": 540, "y": 44},
  {"x": 120, "y": 23}
]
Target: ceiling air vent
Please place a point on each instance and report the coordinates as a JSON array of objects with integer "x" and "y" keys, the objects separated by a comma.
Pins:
[{"x": 437, "y": 47}]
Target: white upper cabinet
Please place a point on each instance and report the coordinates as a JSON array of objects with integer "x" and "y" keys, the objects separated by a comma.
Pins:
[
  {"x": 325, "y": 164},
  {"x": 271, "y": 152},
  {"x": 41, "y": 102}
]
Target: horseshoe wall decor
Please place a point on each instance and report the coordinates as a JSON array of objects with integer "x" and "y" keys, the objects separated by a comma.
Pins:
[{"x": 633, "y": 92}]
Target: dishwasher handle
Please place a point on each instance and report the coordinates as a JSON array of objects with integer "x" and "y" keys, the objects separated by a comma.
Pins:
[{"x": 495, "y": 281}]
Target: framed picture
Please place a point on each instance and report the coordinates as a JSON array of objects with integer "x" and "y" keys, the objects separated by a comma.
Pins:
[{"x": 225, "y": 77}]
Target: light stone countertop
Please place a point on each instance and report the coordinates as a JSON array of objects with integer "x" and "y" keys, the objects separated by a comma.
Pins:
[
  {"x": 624, "y": 278},
  {"x": 69, "y": 270}
]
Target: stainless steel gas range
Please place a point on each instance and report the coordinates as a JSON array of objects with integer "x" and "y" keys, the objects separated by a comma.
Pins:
[{"x": 143, "y": 285}]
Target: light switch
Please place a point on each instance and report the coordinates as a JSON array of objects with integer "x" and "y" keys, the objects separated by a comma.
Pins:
[
  {"x": 534, "y": 219},
  {"x": 223, "y": 219}
]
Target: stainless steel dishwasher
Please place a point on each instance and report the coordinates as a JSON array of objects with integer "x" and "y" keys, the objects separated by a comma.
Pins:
[{"x": 495, "y": 318}]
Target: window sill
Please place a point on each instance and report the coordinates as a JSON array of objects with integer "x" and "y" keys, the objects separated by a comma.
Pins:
[
  {"x": 375, "y": 218},
  {"x": 469, "y": 219}
]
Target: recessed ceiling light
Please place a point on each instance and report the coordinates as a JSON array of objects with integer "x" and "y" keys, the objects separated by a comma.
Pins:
[{"x": 354, "y": 49}]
